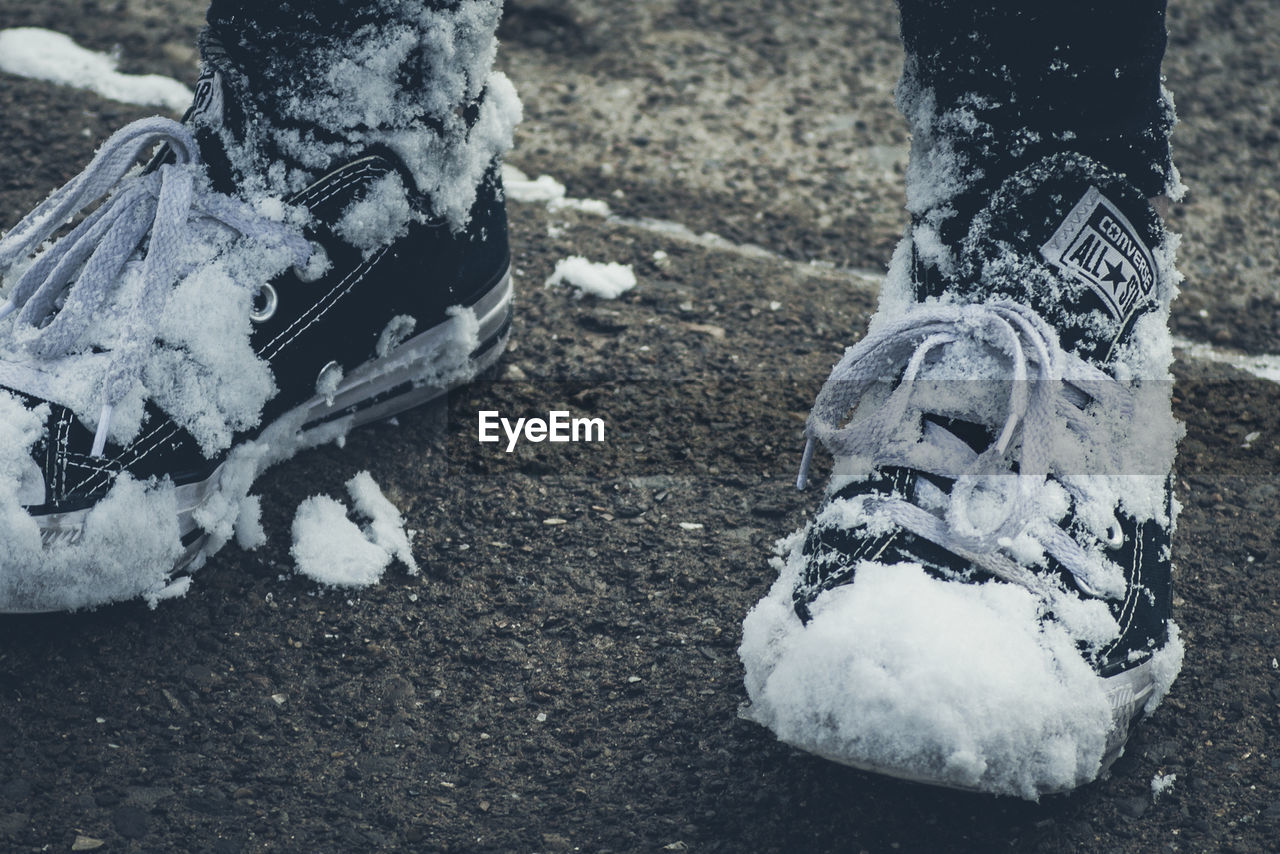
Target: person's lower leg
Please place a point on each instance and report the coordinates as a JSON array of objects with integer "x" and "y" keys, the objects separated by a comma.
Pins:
[
  {"x": 323, "y": 80},
  {"x": 990, "y": 87}
]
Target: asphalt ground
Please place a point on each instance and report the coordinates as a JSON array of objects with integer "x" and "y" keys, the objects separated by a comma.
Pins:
[{"x": 563, "y": 675}]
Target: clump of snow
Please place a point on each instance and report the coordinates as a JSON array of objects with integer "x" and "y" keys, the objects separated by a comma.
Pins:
[
  {"x": 1175, "y": 190},
  {"x": 907, "y": 674},
  {"x": 175, "y": 589},
  {"x": 520, "y": 188},
  {"x": 127, "y": 546},
  {"x": 394, "y": 334},
  {"x": 386, "y": 526},
  {"x": 317, "y": 265},
  {"x": 1162, "y": 784},
  {"x": 249, "y": 532},
  {"x": 595, "y": 207},
  {"x": 606, "y": 281},
  {"x": 328, "y": 381},
  {"x": 547, "y": 190},
  {"x": 379, "y": 217},
  {"x": 206, "y": 374},
  {"x": 45, "y": 55},
  {"x": 330, "y": 548},
  {"x": 1166, "y": 664}
]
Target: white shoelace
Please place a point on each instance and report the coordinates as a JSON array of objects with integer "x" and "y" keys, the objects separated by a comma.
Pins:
[
  {"x": 57, "y": 298},
  {"x": 1048, "y": 390}
]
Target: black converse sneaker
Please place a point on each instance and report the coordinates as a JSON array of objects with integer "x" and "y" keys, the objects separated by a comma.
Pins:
[
  {"x": 983, "y": 600},
  {"x": 189, "y": 332}
]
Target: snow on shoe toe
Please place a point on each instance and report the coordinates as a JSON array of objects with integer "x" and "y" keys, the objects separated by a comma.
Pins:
[{"x": 961, "y": 685}]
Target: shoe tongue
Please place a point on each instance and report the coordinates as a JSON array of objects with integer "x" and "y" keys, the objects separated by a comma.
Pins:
[{"x": 1077, "y": 243}]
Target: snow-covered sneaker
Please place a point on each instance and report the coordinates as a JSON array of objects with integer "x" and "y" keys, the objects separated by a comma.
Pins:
[
  {"x": 198, "y": 326},
  {"x": 983, "y": 600}
]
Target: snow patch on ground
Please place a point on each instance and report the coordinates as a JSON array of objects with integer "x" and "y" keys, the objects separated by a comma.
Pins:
[
  {"x": 520, "y": 188},
  {"x": 1266, "y": 367},
  {"x": 548, "y": 191},
  {"x": 1162, "y": 784},
  {"x": 386, "y": 525},
  {"x": 46, "y": 55},
  {"x": 332, "y": 549},
  {"x": 606, "y": 281}
]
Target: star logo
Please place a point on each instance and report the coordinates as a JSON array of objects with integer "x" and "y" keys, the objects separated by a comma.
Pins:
[
  {"x": 1097, "y": 247},
  {"x": 1115, "y": 274}
]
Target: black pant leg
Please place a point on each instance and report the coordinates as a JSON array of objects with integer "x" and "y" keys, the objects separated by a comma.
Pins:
[{"x": 1041, "y": 76}]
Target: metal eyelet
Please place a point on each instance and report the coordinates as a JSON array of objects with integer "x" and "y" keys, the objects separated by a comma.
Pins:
[
  {"x": 1115, "y": 536},
  {"x": 264, "y": 304}
]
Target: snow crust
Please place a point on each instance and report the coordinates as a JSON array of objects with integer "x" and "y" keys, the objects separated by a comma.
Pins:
[
  {"x": 46, "y": 55},
  {"x": 606, "y": 281},
  {"x": 332, "y": 549}
]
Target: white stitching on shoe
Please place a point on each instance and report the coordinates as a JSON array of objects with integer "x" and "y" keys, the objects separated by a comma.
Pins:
[
  {"x": 140, "y": 453},
  {"x": 60, "y": 469},
  {"x": 1130, "y": 608},
  {"x": 71, "y": 280},
  {"x": 51, "y": 454},
  {"x": 350, "y": 178},
  {"x": 140, "y": 447},
  {"x": 266, "y": 350}
]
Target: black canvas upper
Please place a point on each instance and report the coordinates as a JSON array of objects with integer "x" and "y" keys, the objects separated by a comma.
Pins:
[
  {"x": 336, "y": 318},
  {"x": 1003, "y": 257}
]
